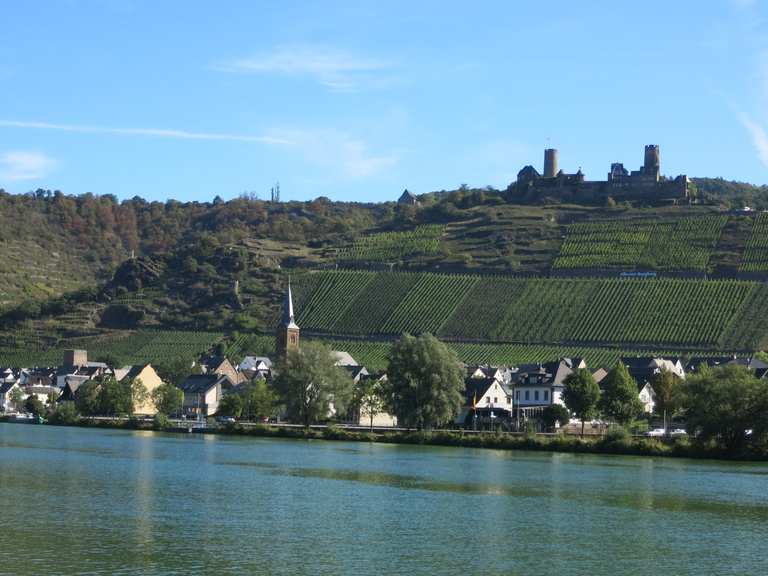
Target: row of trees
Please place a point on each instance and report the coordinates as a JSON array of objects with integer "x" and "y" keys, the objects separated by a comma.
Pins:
[
  {"x": 727, "y": 405},
  {"x": 423, "y": 389}
]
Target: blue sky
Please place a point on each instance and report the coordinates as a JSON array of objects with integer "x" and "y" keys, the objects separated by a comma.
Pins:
[{"x": 358, "y": 100}]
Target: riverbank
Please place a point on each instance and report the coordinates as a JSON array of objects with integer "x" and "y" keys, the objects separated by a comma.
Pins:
[{"x": 611, "y": 443}]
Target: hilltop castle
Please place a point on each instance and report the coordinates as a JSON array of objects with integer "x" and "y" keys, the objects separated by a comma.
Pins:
[{"x": 645, "y": 184}]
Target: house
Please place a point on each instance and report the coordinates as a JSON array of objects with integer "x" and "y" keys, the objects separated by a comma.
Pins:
[
  {"x": 38, "y": 377},
  {"x": 255, "y": 367},
  {"x": 356, "y": 373},
  {"x": 7, "y": 388},
  {"x": 381, "y": 419},
  {"x": 343, "y": 358},
  {"x": 539, "y": 385},
  {"x": 643, "y": 369},
  {"x": 599, "y": 375},
  {"x": 408, "y": 198},
  {"x": 77, "y": 367},
  {"x": 500, "y": 373},
  {"x": 695, "y": 362},
  {"x": 203, "y": 392},
  {"x": 486, "y": 398},
  {"x": 147, "y": 375},
  {"x": 647, "y": 397},
  {"x": 48, "y": 395},
  {"x": 223, "y": 367}
]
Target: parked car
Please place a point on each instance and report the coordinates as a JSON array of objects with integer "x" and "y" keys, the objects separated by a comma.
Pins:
[
  {"x": 225, "y": 420},
  {"x": 678, "y": 432},
  {"x": 655, "y": 432}
]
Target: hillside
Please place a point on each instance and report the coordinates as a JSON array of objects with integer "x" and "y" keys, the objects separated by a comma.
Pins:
[{"x": 466, "y": 265}]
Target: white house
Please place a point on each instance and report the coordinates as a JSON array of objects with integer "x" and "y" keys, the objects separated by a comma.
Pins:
[{"x": 203, "y": 392}]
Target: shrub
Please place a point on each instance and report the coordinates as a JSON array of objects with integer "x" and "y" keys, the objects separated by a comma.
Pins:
[
  {"x": 161, "y": 422},
  {"x": 65, "y": 414}
]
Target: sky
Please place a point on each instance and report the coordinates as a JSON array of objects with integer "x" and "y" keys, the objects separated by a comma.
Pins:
[{"x": 358, "y": 100}]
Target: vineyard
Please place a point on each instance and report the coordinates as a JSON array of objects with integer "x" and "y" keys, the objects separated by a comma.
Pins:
[
  {"x": 158, "y": 346},
  {"x": 682, "y": 244},
  {"x": 756, "y": 254},
  {"x": 393, "y": 246},
  {"x": 574, "y": 311}
]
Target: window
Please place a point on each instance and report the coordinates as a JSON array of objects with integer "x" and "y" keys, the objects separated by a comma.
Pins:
[
  {"x": 495, "y": 400},
  {"x": 536, "y": 395},
  {"x": 546, "y": 394},
  {"x": 517, "y": 395},
  {"x": 527, "y": 394},
  {"x": 509, "y": 400}
]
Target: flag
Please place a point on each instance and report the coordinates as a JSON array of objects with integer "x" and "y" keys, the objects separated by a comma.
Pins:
[{"x": 474, "y": 401}]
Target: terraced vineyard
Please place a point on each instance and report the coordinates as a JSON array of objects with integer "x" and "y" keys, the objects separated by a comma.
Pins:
[
  {"x": 158, "y": 346},
  {"x": 756, "y": 254},
  {"x": 575, "y": 311},
  {"x": 682, "y": 244},
  {"x": 393, "y": 246}
]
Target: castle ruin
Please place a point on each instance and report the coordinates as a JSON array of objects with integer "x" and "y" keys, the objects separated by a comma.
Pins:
[{"x": 646, "y": 184}]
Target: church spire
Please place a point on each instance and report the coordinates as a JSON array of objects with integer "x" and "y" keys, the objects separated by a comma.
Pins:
[
  {"x": 288, "y": 320},
  {"x": 288, "y": 331}
]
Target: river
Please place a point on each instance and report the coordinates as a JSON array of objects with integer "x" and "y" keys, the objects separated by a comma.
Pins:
[{"x": 89, "y": 501}]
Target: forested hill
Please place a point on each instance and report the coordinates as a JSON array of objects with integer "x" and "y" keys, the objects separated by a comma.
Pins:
[
  {"x": 78, "y": 265},
  {"x": 52, "y": 243}
]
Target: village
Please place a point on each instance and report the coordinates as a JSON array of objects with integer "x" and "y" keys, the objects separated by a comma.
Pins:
[{"x": 527, "y": 397}]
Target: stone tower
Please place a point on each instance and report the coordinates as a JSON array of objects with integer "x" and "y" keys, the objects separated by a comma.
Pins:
[
  {"x": 550, "y": 163},
  {"x": 652, "y": 162},
  {"x": 288, "y": 331}
]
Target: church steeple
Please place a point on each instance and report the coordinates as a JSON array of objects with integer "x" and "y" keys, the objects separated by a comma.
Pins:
[
  {"x": 288, "y": 308},
  {"x": 288, "y": 331}
]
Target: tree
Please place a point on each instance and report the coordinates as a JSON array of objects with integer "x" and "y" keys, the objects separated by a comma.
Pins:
[
  {"x": 369, "y": 398},
  {"x": 667, "y": 394},
  {"x": 167, "y": 399},
  {"x": 259, "y": 400},
  {"x": 425, "y": 382},
  {"x": 17, "y": 397},
  {"x": 581, "y": 395},
  {"x": 139, "y": 393},
  {"x": 87, "y": 400},
  {"x": 723, "y": 403},
  {"x": 555, "y": 414},
  {"x": 311, "y": 385},
  {"x": 231, "y": 405},
  {"x": 34, "y": 406},
  {"x": 64, "y": 413},
  {"x": 176, "y": 370},
  {"x": 619, "y": 400},
  {"x": 115, "y": 397}
]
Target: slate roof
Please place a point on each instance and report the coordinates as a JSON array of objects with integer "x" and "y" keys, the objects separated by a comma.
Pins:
[
  {"x": 6, "y": 386},
  {"x": 476, "y": 388},
  {"x": 201, "y": 383},
  {"x": 252, "y": 363}
]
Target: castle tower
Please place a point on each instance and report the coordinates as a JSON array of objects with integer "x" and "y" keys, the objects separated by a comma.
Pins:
[
  {"x": 550, "y": 163},
  {"x": 652, "y": 162},
  {"x": 288, "y": 331}
]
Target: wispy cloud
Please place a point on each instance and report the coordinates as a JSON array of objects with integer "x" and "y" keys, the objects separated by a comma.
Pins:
[
  {"x": 759, "y": 137},
  {"x": 333, "y": 68},
  {"x": 338, "y": 152},
  {"x": 148, "y": 132},
  {"x": 18, "y": 165}
]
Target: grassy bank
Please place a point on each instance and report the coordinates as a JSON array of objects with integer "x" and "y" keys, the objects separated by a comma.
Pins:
[{"x": 620, "y": 444}]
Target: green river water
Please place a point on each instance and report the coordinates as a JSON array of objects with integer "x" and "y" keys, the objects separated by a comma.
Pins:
[{"x": 85, "y": 501}]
